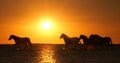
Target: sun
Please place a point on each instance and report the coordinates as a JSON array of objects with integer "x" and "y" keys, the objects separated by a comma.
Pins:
[{"x": 46, "y": 24}]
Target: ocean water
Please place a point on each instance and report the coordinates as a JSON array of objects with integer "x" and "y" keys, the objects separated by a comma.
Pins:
[{"x": 49, "y": 53}]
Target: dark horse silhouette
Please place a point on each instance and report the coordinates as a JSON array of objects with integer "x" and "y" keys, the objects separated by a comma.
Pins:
[
  {"x": 85, "y": 41},
  {"x": 72, "y": 42},
  {"x": 108, "y": 42},
  {"x": 21, "y": 41},
  {"x": 98, "y": 41}
]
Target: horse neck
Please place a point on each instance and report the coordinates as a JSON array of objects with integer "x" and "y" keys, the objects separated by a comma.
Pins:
[
  {"x": 66, "y": 37},
  {"x": 85, "y": 38},
  {"x": 15, "y": 37}
]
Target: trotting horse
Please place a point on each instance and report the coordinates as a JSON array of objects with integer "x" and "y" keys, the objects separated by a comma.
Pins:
[
  {"x": 72, "y": 42},
  {"x": 98, "y": 41},
  {"x": 21, "y": 41}
]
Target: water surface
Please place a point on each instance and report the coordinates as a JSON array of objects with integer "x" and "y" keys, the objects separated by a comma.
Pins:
[{"x": 46, "y": 53}]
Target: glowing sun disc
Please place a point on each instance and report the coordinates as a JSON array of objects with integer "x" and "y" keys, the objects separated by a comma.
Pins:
[{"x": 46, "y": 25}]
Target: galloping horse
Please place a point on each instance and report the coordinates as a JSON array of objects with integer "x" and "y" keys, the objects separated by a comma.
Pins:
[
  {"x": 72, "y": 42},
  {"x": 21, "y": 41},
  {"x": 85, "y": 41}
]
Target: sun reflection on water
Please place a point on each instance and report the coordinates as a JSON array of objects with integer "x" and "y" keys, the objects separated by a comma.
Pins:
[{"x": 47, "y": 55}]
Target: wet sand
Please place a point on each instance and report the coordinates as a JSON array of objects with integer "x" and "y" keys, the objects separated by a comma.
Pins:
[{"x": 48, "y": 53}]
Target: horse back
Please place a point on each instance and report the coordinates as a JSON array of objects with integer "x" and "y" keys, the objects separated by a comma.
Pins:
[
  {"x": 22, "y": 40},
  {"x": 26, "y": 39},
  {"x": 107, "y": 40}
]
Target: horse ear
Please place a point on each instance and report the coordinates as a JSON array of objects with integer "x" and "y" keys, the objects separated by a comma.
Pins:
[
  {"x": 12, "y": 35},
  {"x": 62, "y": 33}
]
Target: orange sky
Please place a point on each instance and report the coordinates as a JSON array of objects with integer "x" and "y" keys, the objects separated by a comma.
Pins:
[{"x": 72, "y": 17}]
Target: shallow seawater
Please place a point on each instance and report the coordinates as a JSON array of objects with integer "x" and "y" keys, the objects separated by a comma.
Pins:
[{"x": 45, "y": 53}]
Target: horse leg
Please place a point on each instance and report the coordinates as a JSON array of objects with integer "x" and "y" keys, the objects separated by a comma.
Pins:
[
  {"x": 25, "y": 46},
  {"x": 77, "y": 46},
  {"x": 29, "y": 45},
  {"x": 85, "y": 46},
  {"x": 94, "y": 47},
  {"x": 108, "y": 46},
  {"x": 18, "y": 47},
  {"x": 74, "y": 46},
  {"x": 65, "y": 46}
]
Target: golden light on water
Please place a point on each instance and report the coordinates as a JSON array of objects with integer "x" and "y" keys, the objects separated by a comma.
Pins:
[{"x": 47, "y": 55}]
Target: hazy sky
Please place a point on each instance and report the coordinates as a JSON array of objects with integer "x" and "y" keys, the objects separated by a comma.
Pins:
[{"x": 73, "y": 17}]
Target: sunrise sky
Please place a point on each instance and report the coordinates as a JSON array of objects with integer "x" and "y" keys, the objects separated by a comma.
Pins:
[{"x": 25, "y": 18}]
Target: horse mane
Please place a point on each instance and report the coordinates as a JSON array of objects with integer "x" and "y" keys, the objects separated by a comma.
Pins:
[
  {"x": 65, "y": 35},
  {"x": 15, "y": 36},
  {"x": 83, "y": 37}
]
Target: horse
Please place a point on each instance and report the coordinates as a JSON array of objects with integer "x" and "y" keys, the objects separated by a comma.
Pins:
[
  {"x": 21, "y": 41},
  {"x": 72, "y": 42},
  {"x": 85, "y": 41},
  {"x": 99, "y": 41},
  {"x": 108, "y": 42},
  {"x": 96, "y": 40}
]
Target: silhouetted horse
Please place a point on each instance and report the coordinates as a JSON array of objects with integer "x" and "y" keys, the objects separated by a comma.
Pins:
[
  {"x": 85, "y": 41},
  {"x": 98, "y": 41},
  {"x": 21, "y": 41},
  {"x": 108, "y": 42},
  {"x": 72, "y": 42}
]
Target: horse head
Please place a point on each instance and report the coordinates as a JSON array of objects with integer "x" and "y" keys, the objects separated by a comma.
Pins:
[
  {"x": 62, "y": 35},
  {"x": 82, "y": 37},
  {"x": 11, "y": 37}
]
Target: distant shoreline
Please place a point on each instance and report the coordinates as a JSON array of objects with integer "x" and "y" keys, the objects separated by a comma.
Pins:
[
  {"x": 35, "y": 44},
  {"x": 46, "y": 44},
  {"x": 7, "y": 47}
]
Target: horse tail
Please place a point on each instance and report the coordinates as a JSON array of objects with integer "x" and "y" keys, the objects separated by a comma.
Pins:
[
  {"x": 110, "y": 43},
  {"x": 29, "y": 42}
]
